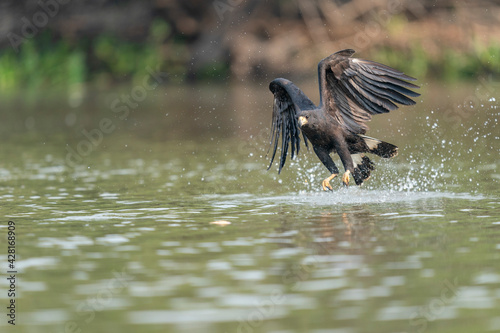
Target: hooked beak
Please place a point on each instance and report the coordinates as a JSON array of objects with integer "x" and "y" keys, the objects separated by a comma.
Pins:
[{"x": 302, "y": 121}]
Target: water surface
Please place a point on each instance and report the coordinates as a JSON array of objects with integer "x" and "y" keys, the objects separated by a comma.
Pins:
[{"x": 170, "y": 222}]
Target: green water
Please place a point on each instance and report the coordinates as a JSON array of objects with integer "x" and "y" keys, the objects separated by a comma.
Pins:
[{"x": 121, "y": 239}]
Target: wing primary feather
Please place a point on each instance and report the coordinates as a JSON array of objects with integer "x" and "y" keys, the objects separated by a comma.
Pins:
[
  {"x": 289, "y": 100},
  {"x": 277, "y": 125},
  {"x": 357, "y": 89},
  {"x": 305, "y": 141},
  {"x": 390, "y": 86},
  {"x": 379, "y": 100},
  {"x": 390, "y": 94},
  {"x": 381, "y": 69},
  {"x": 364, "y": 103},
  {"x": 285, "y": 138},
  {"x": 385, "y": 87},
  {"x": 390, "y": 79},
  {"x": 393, "y": 95},
  {"x": 292, "y": 125},
  {"x": 273, "y": 128}
]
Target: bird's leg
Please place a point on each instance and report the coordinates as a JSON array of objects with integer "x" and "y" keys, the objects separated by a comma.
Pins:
[
  {"x": 345, "y": 157},
  {"x": 345, "y": 178},
  {"x": 324, "y": 157},
  {"x": 326, "y": 182}
]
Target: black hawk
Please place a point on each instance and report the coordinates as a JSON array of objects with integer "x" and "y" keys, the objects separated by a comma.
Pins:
[{"x": 351, "y": 91}]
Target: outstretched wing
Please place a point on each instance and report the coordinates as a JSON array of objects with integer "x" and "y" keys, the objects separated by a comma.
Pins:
[
  {"x": 358, "y": 89},
  {"x": 289, "y": 100}
]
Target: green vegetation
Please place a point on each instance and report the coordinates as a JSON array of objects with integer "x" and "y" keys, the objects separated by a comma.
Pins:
[
  {"x": 39, "y": 64},
  {"x": 43, "y": 62},
  {"x": 450, "y": 65},
  {"x": 46, "y": 61}
]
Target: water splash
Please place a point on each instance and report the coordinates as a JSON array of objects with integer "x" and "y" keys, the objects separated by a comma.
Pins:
[{"x": 450, "y": 155}]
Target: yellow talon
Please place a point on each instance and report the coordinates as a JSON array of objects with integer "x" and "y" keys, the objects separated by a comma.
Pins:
[
  {"x": 345, "y": 178},
  {"x": 326, "y": 183}
]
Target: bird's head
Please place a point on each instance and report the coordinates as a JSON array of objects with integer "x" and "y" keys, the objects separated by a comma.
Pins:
[{"x": 307, "y": 119}]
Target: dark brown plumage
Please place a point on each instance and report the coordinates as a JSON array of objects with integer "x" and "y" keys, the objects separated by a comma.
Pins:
[{"x": 351, "y": 91}]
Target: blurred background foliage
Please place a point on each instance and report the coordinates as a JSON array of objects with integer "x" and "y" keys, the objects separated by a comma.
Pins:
[{"x": 55, "y": 43}]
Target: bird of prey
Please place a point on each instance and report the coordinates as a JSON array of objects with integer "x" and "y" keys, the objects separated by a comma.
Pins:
[{"x": 351, "y": 91}]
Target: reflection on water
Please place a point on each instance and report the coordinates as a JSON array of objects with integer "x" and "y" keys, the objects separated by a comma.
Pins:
[{"x": 179, "y": 235}]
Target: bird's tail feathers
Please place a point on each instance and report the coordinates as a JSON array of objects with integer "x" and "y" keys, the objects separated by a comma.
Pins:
[
  {"x": 362, "y": 168},
  {"x": 380, "y": 148}
]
